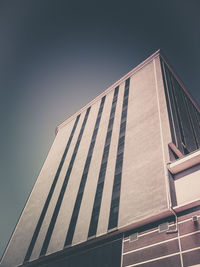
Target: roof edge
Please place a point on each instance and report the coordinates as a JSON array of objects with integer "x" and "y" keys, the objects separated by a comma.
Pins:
[
  {"x": 118, "y": 82},
  {"x": 180, "y": 82},
  {"x": 130, "y": 73}
]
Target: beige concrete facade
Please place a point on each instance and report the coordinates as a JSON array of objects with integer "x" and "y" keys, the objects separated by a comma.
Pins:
[
  {"x": 82, "y": 225},
  {"x": 22, "y": 235},
  {"x": 187, "y": 185},
  {"x": 145, "y": 191},
  {"x": 143, "y": 155},
  {"x": 107, "y": 192}
]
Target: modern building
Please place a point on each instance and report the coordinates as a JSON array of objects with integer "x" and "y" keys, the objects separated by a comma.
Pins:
[{"x": 120, "y": 186}]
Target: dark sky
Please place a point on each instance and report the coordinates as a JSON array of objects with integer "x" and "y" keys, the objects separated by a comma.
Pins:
[{"x": 56, "y": 56}]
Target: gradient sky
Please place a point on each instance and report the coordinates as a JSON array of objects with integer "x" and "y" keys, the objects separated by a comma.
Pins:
[{"x": 56, "y": 56}]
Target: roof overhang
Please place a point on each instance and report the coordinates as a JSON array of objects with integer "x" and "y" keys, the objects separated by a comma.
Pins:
[{"x": 185, "y": 162}]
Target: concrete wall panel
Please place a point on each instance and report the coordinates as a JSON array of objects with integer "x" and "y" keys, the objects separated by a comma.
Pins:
[
  {"x": 64, "y": 216},
  {"x": 109, "y": 178},
  {"x": 25, "y": 228},
  {"x": 143, "y": 190},
  {"x": 82, "y": 227},
  {"x": 52, "y": 204},
  {"x": 187, "y": 184}
]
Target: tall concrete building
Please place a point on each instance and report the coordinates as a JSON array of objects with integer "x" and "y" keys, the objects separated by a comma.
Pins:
[{"x": 121, "y": 184}]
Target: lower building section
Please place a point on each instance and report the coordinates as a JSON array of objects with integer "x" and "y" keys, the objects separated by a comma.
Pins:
[
  {"x": 173, "y": 241},
  {"x": 101, "y": 254},
  {"x": 165, "y": 243}
]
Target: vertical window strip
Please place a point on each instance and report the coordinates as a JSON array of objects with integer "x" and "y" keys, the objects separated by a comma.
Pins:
[
  {"x": 196, "y": 121},
  {"x": 184, "y": 123},
  {"x": 74, "y": 218},
  {"x": 191, "y": 122},
  {"x": 169, "y": 104},
  {"x": 182, "y": 138},
  {"x": 185, "y": 126},
  {"x": 63, "y": 189},
  {"x": 188, "y": 137},
  {"x": 44, "y": 210},
  {"x": 175, "y": 115},
  {"x": 103, "y": 167},
  {"x": 114, "y": 209}
]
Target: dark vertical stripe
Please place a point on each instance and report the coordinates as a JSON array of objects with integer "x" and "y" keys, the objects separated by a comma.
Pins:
[
  {"x": 101, "y": 178},
  {"x": 186, "y": 131},
  {"x": 185, "y": 126},
  {"x": 169, "y": 106},
  {"x": 181, "y": 137},
  {"x": 44, "y": 210},
  {"x": 63, "y": 189},
  {"x": 196, "y": 121},
  {"x": 191, "y": 123},
  {"x": 114, "y": 209},
  {"x": 170, "y": 96},
  {"x": 79, "y": 197}
]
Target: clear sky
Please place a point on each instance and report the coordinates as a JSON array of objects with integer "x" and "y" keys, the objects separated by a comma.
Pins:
[{"x": 56, "y": 56}]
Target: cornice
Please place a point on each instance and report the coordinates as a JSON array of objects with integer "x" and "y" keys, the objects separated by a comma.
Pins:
[
  {"x": 110, "y": 88},
  {"x": 158, "y": 53}
]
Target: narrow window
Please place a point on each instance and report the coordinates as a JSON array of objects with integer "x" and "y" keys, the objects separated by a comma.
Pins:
[
  {"x": 79, "y": 198},
  {"x": 63, "y": 189},
  {"x": 114, "y": 209},
  {"x": 44, "y": 210},
  {"x": 184, "y": 128},
  {"x": 101, "y": 178}
]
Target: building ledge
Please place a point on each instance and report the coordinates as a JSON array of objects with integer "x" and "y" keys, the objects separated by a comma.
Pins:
[
  {"x": 187, "y": 205},
  {"x": 185, "y": 162},
  {"x": 99, "y": 240}
]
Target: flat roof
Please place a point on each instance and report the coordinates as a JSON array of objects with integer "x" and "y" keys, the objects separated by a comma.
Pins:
[{"x": 130, "y": 73}]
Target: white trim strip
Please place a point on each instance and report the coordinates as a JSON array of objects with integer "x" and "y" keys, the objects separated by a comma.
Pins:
[
  {"x": 156, "y": 230},
  {"x": 149, "y": 246},
  {"x": 160, "y": 258},
  {"x": 180, "y": 248},
  {"x": 192, "y": 233},
  {"x": 155, "y": 259},
  {"x": 159, "y": 243},
  {"x": 122, "y": 252},
  {"x": 192, "y": 249}
]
